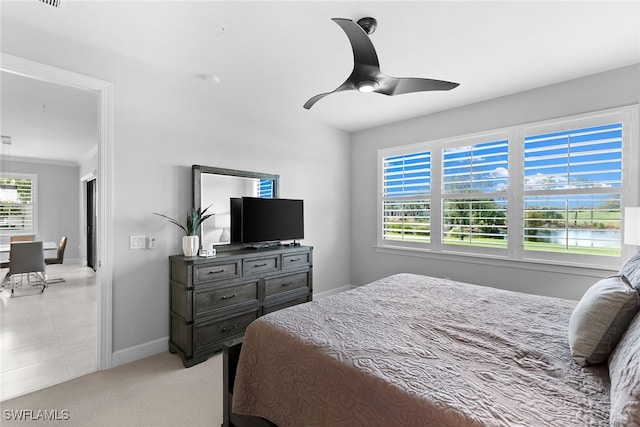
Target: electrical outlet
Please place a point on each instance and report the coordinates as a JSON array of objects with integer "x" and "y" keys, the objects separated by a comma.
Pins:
[
  {"x": 137, "y": 242},
  {"x": 152, "y": 242}
]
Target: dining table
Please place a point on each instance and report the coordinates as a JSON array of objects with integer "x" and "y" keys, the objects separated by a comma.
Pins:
[
  {"x": 46, "y": 246},
  {"x": 6, "y": 248}
]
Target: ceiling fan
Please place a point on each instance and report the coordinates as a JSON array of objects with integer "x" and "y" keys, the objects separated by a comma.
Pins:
[{"x": 366, "y": 75}]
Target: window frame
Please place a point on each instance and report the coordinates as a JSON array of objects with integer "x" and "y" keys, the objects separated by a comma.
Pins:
[
  {"x": 629, "y": 194},
  {"x": 34, "y": 204}
]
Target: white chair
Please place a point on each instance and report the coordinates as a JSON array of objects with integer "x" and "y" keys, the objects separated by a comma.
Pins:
[{"x": 27, "y": 259}]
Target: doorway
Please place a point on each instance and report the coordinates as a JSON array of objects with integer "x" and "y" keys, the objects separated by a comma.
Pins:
[
  {"x": 91, "y": 223},
  {"x": 104, "y": 252}
]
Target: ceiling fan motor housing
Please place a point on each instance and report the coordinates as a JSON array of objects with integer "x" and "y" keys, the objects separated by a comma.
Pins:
[{"x": 368, "y": 24}]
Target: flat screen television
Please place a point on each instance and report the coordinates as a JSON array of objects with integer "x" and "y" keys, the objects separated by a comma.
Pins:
[{"x": 256, "y": 220}]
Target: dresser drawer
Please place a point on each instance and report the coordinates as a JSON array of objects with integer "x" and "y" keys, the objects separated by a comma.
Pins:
[
  {"x": 211, "y": 333},
  {"x": 260, "y": 265},
  {"x": 217, "y": 271},
  {"x": 276, "y": 285},
  {"x": 210, "y": 300},
  {"x": 295, "y": 260}
]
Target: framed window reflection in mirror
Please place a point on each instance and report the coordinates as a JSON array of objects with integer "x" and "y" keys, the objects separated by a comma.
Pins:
[{"x": 215, "y": 187}]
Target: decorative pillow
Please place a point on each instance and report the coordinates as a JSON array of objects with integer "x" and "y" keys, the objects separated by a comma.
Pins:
[
  {"x": 600, "y": 319},
  {"x": 624, "y": 371},
  {"x": 631, "y": 270}
]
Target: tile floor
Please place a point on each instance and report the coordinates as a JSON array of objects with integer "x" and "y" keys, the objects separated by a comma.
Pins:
[{"x": 51, "y": 337}]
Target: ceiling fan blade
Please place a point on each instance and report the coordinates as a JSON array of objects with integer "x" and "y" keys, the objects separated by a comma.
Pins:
[
  {"x": 363, "y": 51},
  {"x": 315, "y": 99},
  {"x": 397, "y": 86},
  {"x": 365, "y": 59},
  {"x": 344, "y": 86}
]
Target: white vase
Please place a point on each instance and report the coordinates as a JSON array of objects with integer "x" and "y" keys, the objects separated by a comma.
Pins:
[{"x": 190, "y": 245}]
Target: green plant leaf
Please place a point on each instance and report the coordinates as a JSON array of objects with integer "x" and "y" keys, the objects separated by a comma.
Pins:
[
  {"x": 195, "y": 217},
  {"x": 171, "y": 220}
]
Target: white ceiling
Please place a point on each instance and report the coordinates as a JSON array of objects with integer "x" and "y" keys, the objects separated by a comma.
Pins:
[
  {"x": 271, "y": 57},
  {"x": 47, "y": 121}
]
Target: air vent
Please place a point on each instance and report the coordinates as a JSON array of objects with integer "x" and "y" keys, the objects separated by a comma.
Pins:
[{"x": 54, "y": 3}]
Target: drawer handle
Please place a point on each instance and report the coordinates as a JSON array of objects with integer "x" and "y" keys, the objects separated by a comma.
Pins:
[
  {"x": 294, "y": 259},
  {"x": 286, "y": 284},
  {"x": 216, "y": 272},
  {"x": 226, "y": 297},
  {"x": 225, "y": 329},
  {"x": 260, "y": 265}
]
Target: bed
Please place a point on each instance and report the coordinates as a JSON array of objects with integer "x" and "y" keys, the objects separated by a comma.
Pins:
[{"x": 417, "y": 350}]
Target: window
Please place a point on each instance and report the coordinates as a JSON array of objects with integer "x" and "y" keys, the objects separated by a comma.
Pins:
[
  {"x": 17, "y": 204},
  {"x": 474, "y": 181},
  {"x": 548, "y": 191},
  {"x": 406, "y": 208},
  {"x": 265, "y": 188},
  {"x": 572, "y": 190}
]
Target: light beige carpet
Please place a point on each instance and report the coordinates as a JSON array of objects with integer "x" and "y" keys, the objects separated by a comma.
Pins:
[{"x": 154, "y": 391}]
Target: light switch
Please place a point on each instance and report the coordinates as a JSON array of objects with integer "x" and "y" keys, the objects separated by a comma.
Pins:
[{"x": 137, "y": 242}]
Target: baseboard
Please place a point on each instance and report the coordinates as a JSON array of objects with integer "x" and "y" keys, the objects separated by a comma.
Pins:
[
  {"x": 324, "y": 294},
  {"x": 140, "y": 351}
]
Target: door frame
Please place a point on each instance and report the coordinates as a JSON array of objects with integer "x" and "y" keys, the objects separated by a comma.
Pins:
[{"x": 104, "y": 91}]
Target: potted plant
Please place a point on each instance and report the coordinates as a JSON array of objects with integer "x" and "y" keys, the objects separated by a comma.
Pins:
[{"x": 195, "y": 218}]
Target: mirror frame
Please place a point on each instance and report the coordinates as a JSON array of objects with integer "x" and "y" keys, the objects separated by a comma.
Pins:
[{"x": 196, "y": 178}]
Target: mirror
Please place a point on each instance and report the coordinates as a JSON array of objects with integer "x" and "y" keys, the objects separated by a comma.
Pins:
[{"x": 216, "y": 186}]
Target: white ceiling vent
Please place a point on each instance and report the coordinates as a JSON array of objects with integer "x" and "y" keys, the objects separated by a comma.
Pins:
[{"x": 54, "y": 3}]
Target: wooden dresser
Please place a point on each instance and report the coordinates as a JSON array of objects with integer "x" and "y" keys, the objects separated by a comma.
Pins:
[{"x": 214, "y": 299}]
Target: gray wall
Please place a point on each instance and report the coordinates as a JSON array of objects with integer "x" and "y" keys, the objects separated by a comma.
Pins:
[
  {"x": 607, "y": 90},
  {"x": 58, "y": 203},
  {"x": 166, "y": 121}
]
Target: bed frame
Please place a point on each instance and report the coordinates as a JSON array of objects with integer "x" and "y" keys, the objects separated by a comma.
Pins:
[{"x": 231, "y": 355}]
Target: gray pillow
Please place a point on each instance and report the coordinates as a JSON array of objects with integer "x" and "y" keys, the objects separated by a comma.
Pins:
[
  {"x": 631, "y": 270},
  {"x": 600, "y": 319},
  {"x": 624, "y": 371}
]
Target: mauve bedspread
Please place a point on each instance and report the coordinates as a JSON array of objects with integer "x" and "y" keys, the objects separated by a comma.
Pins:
[{"x": 412, "y": 350}]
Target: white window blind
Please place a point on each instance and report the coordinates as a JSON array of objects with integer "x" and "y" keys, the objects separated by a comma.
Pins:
[
  {"x": 479, "y": 168},
  {"x": 474, "y": 209},
  {"x": 580, "y": 158},
  {"x": 572, "y": 199},
  {"x": 17, "y": 204},
  {"x": 406, "y": 205},
  {"x": 265, "y": 188}
]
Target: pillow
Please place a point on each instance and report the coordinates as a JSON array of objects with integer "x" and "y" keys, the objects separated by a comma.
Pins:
[
  {"x": 624, "y": 371},
  {"x": 631, "y": 270},
  {"x": 600, "y": 319}
]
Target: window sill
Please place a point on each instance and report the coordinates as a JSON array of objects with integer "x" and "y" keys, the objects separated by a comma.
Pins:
[{"x": 589, "y": 270}]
